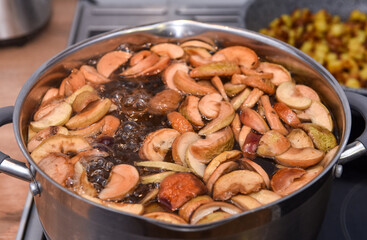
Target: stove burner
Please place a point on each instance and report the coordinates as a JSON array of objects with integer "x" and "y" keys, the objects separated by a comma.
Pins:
[{"x": 354, "y": 212}]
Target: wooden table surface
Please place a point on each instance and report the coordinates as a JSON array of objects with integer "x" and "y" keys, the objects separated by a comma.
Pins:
[{"x": 16, "y": 65}]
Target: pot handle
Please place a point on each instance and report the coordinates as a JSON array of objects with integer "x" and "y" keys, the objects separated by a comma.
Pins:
[
  {"x": 8, "y": 165},
  {"x": 358, "y": 147}
]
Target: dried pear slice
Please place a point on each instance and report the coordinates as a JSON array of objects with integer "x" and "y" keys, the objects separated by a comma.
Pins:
[
  {"x": 322, "y": 138},
  {"x": 288, "y": 93},
  {"x": 155, "y": 178},
  {"x": 58, "y": 116},
  {"x": 212, "y": 69}
]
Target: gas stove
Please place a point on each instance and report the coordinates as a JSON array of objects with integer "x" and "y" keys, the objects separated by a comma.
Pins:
[{"x": 347, "y": 208}]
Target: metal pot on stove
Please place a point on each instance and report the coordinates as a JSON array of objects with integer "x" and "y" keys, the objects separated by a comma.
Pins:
[{"x": 65, "y": 214}]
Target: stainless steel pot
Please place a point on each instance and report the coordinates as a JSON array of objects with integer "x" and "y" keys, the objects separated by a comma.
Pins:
[{"x": 66, "y": 215}]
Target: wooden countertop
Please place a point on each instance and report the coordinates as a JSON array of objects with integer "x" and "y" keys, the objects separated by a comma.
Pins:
[{"x": 16, "y": 65}]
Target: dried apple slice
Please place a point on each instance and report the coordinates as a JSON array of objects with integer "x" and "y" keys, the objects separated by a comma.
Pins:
[
  {"x": 272, "y": 116},
  {"x": 190, "y": 110},
  {"x": 236, "y": 126},
  {"x": 239, "y": 181},
  {"x": 224, "y": 119},
  {"x": 272, "y": 144},
  {"x": 180, "y": 146},
  {"x": 264, "y": 85},
  {"x": 280, "y": 74},
  {"x": 328, "y": 157},
  {"x": 83, "y": 99},
  {"x": 166, "y": 217},
  {"x": 72, "y": 97},
  {"x": 221, "y": 158},
  {"x": 219, "y": 171},
  {"x": 122, "y": 180},
  {"x": 92, "y": 75},
  {"x": 90, "y": 116},
  {"x": 320, "y": 115},
  {"x": 286, "y": 114},
  {"x": 250, "y": 145},
  {"x": 211, "y": 207},
  {"x": 51, "y": 93},
  {"x": 188, "y": 208},
  {"x": 265, "y": 196},
  {"x": 308, "y": 92},
  {"x": 299, "y": 139},
  {"x": 288, "y": 93},
  {"x": 111, "y": 61},
  {"x": 141, "y": 67},
  {"x": 238, "y": 100},
  {"x": 233, "y": 89},
  {"x": 186, "y": 84},
  {"x": 203, "y": 53},
  {"x": 245, "y": 202},
  {"x": 81, "y": 184},
  {"x": 217, "y": 83},
  {"x": 168, "y": 49},
  {"x": 198, "y": 44},
  {"x": 209, "y": 105},
  {"x": 176, "y": 189},
  {"x": 170, "y": 71},
  {"x": 243, "y": 56},
  {"x": 300, "y": 157},
  {"x": 252, "y": 166},
  {"x": 322, "y": 138},
  {"x": 225, "y": 68},
  {"x": 162, "y": 165},
  {"x": 60, "y": 144},
  {"x": 196, "y": 166},
  {"x": 157, "y": 144},
  {"x": 59, "y": 115},
  {"x": 252, "y": 119},
  {"x": 164, "y": 102},
  {"x": 155, "y": 178},
  {"x": 214, "y": 144},
  {"x": 43, "y": 134},
  {"x": 252, "y": 98},
  {"x": 245, "y": 130},
  {"x": 179, "y": 122},
  {"x": 57, "y": 166}
]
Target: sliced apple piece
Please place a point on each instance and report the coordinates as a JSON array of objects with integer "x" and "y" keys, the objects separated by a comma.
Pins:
[
  {"x": 59, "y": 115},
  {"x": 250, "y": 145},
  {"x": 51, "y": 93},
  {"x": 190, "y": 110},
  {"x": 272, "y": 144},
  {"x": 299, "y": 139},
  {"x": 213, "y": 217},
  {"x": 214, "y": 144},
  {"x": 288, "y": 93},
  {"x": 329, "y": 156},
  {"x": 43, "y": 134},
  {"x": 280, "y": 74},
  {"x": 60, "y": 144},
  {"x": 238, "y": 100},
  {"x": 58, "y": 167},
  {"x": 322, "y": 138},
  {"x": 72, "y": 97},
  {"x": 137, "y": 57},
  {"x": 158, "y": 67},
  {"x": 286, "y": 114},
  {"x": 218, "y": 160},
  {"x": 308, "y": 92},
  {"x": 168, "y": 49},
  {"x": 176, "y": 189},
  {"x": 92, "y": 75},
  {"x": 162, "y": 165},
  {"x": 155, "y": 178},
  {"x": 263, "y": 84},
  {"x": 252, "y": 166},
  {"x": 243, "y": 56},
  {"x": 320, "y": 115},
  {"x": 133, "y": 208},
  {"x": 245, "y": 130},
  {"x": 253, "y": 72},
  {"x": 180, "y": 146},
  {"x": 252, "y": 98},
  {"x": 196, "y": 166},
  {"x": 211, "y": 207},
  {"x": 83, "y": 99},
  {"x": 157, "y": 144},
  {"x": 209, "y": 105},
  {"x": 233, "y": 89},
  {"x": 186, "y": 84},
  {"x": 220, "y": 171},
  {"x": 252, "y": 119},
  {"x": 236, "y": 126},
  {"x": 90, "y": 116},
  {"x": 198, "y": 44},
  {"x": 271, "y": 116},
  {"x": 225, "y": 68},
  {"x": 245, "y": 202},
  {"x": 179, "y": 122},
  {"x": 122, "y": 180},
  {"x": 239, "y": 181},
  {"x": 111, "y": 61},
  {"x": 300, "y": 157},
  {"x": 166, "y": 217},
  {"x": 224, "y": 119},
  {"x": 265, "y": 196},
  {"x": 188, "y": 208},
  {"x": 141, "y": 67},
  {"x": 81, "y": 184},
  {"x": 164, "y": 102},
  {"x": 202, "y": 52},
  {"x": 218, "y": 84},
  {"x": 170, "y": 71}
]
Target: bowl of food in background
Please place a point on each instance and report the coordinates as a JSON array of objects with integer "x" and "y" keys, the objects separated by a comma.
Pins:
[{"x": 334, "y": 33}]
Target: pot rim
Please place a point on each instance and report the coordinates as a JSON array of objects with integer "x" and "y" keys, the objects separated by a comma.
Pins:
[{"x": 150, "y": 28}]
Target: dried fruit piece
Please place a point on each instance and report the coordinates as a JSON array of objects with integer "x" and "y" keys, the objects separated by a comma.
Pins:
[
  {"x": 209, "y": 105},
  {"x": 157, "y": 144},
  {"x": 320, "y": 115},
  {"x": 92, "y": 75},
  {"x": 58, "y": 167},
  {"x": 164, "y": 102},
  {"x": 252, "y": 119},
  {"x": 245, "y": 202},
  {"x": 243, "y": 56},
  {"x": 299, "y": 139},
  {"x": 198, "y": 44},
  {"x": 264, "y": 85},
  {"x": 220, "y": 171},
  {"x": 225, "y": 68},
  {"x": 155, "y": 178},
  {"x": 272, "y": 116},
  {"x": 83, "y": 99},
  {"x": 272, "y": 144},
  {"x": 168, "y": 49},
  {"x": 233, "y": 89},
  {"x": 179, "y": 122},
  {"x": 43, "y": 134},
  {"x": 122, "y": 180},
  {"x": 180, "y": 146},
  {"x": 176, "y": 189},
  {"x": 190, "y": 110},
  {"x": 217, "y": 83},
  {"x": 141, "y": 67},
  {"x": 59, "y": 115},
  {"x": 252, "y": 166},
  {"x": 322, "y": 138},
  {"x": 308, "y": 92},
  {"x": 265, "y": 196},
  {"x": 250, "y": 145},
  {"x": 300, "y": 157},
  {"x": 211, "y": 207},
  {"x": 280, "y": 74},
  {"x": 252, "y": 98},
  {"x": 286, "y": 114},
  {"x": 111, "y": 61},
  {"x": 188, "y": 208},
  {"x": 186, "y": 84},
  {"x": 288, "y": 93},
  {"x": 162, "y": 165},
  {"x": 166, "y": 217},
  {"x": 170, "y": 71}
]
